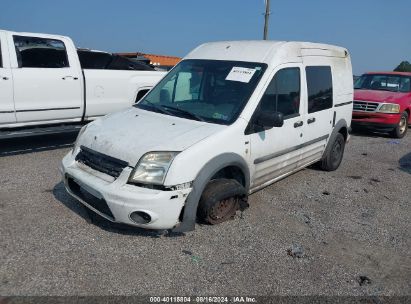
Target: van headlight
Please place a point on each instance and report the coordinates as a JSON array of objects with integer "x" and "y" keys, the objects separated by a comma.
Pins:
[
  {"x": 78, "y": 137},
  {"x": 389, "y": 108},
  {"x": 152, "y": 168}
]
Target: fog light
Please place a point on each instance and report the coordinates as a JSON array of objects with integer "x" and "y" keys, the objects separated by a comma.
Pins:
[{"x": 140, "y": 217}]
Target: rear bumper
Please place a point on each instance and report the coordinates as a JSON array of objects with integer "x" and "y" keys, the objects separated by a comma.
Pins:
[{"x": 378, "y": 121}]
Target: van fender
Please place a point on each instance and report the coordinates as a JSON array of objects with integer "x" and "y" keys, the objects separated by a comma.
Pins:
[
  {"x": 200, "y": 182},
  {"x": 340, "y": 124}
]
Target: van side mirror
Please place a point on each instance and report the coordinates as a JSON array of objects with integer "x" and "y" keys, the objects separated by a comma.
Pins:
[{"x": 269, "y": 120}]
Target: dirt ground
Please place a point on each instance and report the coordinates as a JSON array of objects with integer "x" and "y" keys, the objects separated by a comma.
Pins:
[{"x": 314, "y": 233}]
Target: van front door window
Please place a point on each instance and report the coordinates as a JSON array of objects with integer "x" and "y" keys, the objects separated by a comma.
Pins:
[{"x": 283, "y": 93}]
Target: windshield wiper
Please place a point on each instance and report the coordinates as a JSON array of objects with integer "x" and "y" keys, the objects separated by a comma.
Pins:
[
  {"x": 158, "y": 107},
  {"x": 196, "y": 117},
  {"x": 386, "y": 89}
]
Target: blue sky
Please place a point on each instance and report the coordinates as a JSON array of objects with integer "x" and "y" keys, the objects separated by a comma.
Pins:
[{"x": 377, "y": 32}]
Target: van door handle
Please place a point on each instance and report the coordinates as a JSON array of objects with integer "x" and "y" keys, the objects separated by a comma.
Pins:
[
  {"x": 298, "y": 124},
  {"x": 311, "y": 120},
  {"x": 69, "y": 77},
  {"x": 5, "y": 78}
]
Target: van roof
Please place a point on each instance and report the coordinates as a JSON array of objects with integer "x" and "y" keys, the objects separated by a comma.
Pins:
[{"x": 263, "y": 50}]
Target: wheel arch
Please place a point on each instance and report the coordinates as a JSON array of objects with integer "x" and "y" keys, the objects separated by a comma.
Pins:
[
  {"x": 222, "y": 166},
  {"x": 344, "y": 131},
  {"x": 231, "y": 172},
  {"x": 341, "y": 127}
]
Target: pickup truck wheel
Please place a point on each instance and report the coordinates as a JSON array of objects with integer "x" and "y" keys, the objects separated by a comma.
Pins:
[
  {"x": 333, "y": 159},
  {"x": 402, "y": 127},
  {"x": 220, "y": 200}
]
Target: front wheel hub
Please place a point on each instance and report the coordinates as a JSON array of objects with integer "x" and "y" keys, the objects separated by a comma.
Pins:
[
  {"x": 224, "y": 209},
  {"x": 402, "y": 125}
]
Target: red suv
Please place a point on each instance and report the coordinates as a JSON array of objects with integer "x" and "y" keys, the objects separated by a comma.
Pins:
[{"x": 382, "y": 102}]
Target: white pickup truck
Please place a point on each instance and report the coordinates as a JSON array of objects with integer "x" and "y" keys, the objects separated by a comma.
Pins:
[{"x": 46, "y": 88}]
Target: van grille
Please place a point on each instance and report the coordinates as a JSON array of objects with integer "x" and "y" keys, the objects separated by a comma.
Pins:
[
  {"x": 365, "y": 106},
  {"x": 101, "y": 162},
  {"x": 98, "y": 204}
]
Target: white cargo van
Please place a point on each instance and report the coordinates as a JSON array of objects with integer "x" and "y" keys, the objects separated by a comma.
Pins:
[{"x": 231, "y": 118}]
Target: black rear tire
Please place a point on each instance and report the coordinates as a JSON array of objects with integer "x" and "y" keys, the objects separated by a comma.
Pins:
[
  {"x": 220, "y": 201},
  {"x": 402, "y": 127},
  {"x": 332, "y": 160}
]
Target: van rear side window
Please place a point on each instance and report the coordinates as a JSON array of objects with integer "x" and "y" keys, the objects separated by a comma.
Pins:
[
  {"x": 320, "y": 88},
  {"x": 34, "y": 52}
]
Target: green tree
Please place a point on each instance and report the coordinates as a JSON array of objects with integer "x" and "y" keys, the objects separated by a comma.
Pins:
[{"x": 404, "y": 66}]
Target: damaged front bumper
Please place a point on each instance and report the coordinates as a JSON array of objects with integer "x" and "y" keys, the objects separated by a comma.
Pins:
[{"x": 120, "y": 202}]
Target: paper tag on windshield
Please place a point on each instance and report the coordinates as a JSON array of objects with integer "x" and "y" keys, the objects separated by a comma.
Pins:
[{"x": 240, "y": 74}]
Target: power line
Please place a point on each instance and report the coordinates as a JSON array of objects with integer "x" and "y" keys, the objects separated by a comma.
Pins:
[{"x": 266, "y": 16}]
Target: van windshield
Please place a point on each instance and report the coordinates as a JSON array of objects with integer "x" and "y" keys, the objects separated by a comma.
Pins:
[
  {"x": 381, "y": 82},
  {"x": 208, "y": 90}
]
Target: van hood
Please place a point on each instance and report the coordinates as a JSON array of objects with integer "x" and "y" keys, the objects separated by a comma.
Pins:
[
  {"x": 378, "y": 95},
  {"x": 128, "y": 135}
]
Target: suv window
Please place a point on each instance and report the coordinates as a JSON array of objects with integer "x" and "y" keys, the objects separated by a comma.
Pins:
[
  {"x": 1, "y": 58},
  {"x": 320, "y": 88},
  {"x": 283, "y": 93},
  {"x": 34, "y": 52}
]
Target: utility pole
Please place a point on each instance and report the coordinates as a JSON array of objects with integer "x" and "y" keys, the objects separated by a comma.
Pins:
[{"x": 266, "y": 15}]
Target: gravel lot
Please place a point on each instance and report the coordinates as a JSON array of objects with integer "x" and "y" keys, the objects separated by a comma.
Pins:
[{"x": 353, "y": 226}]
